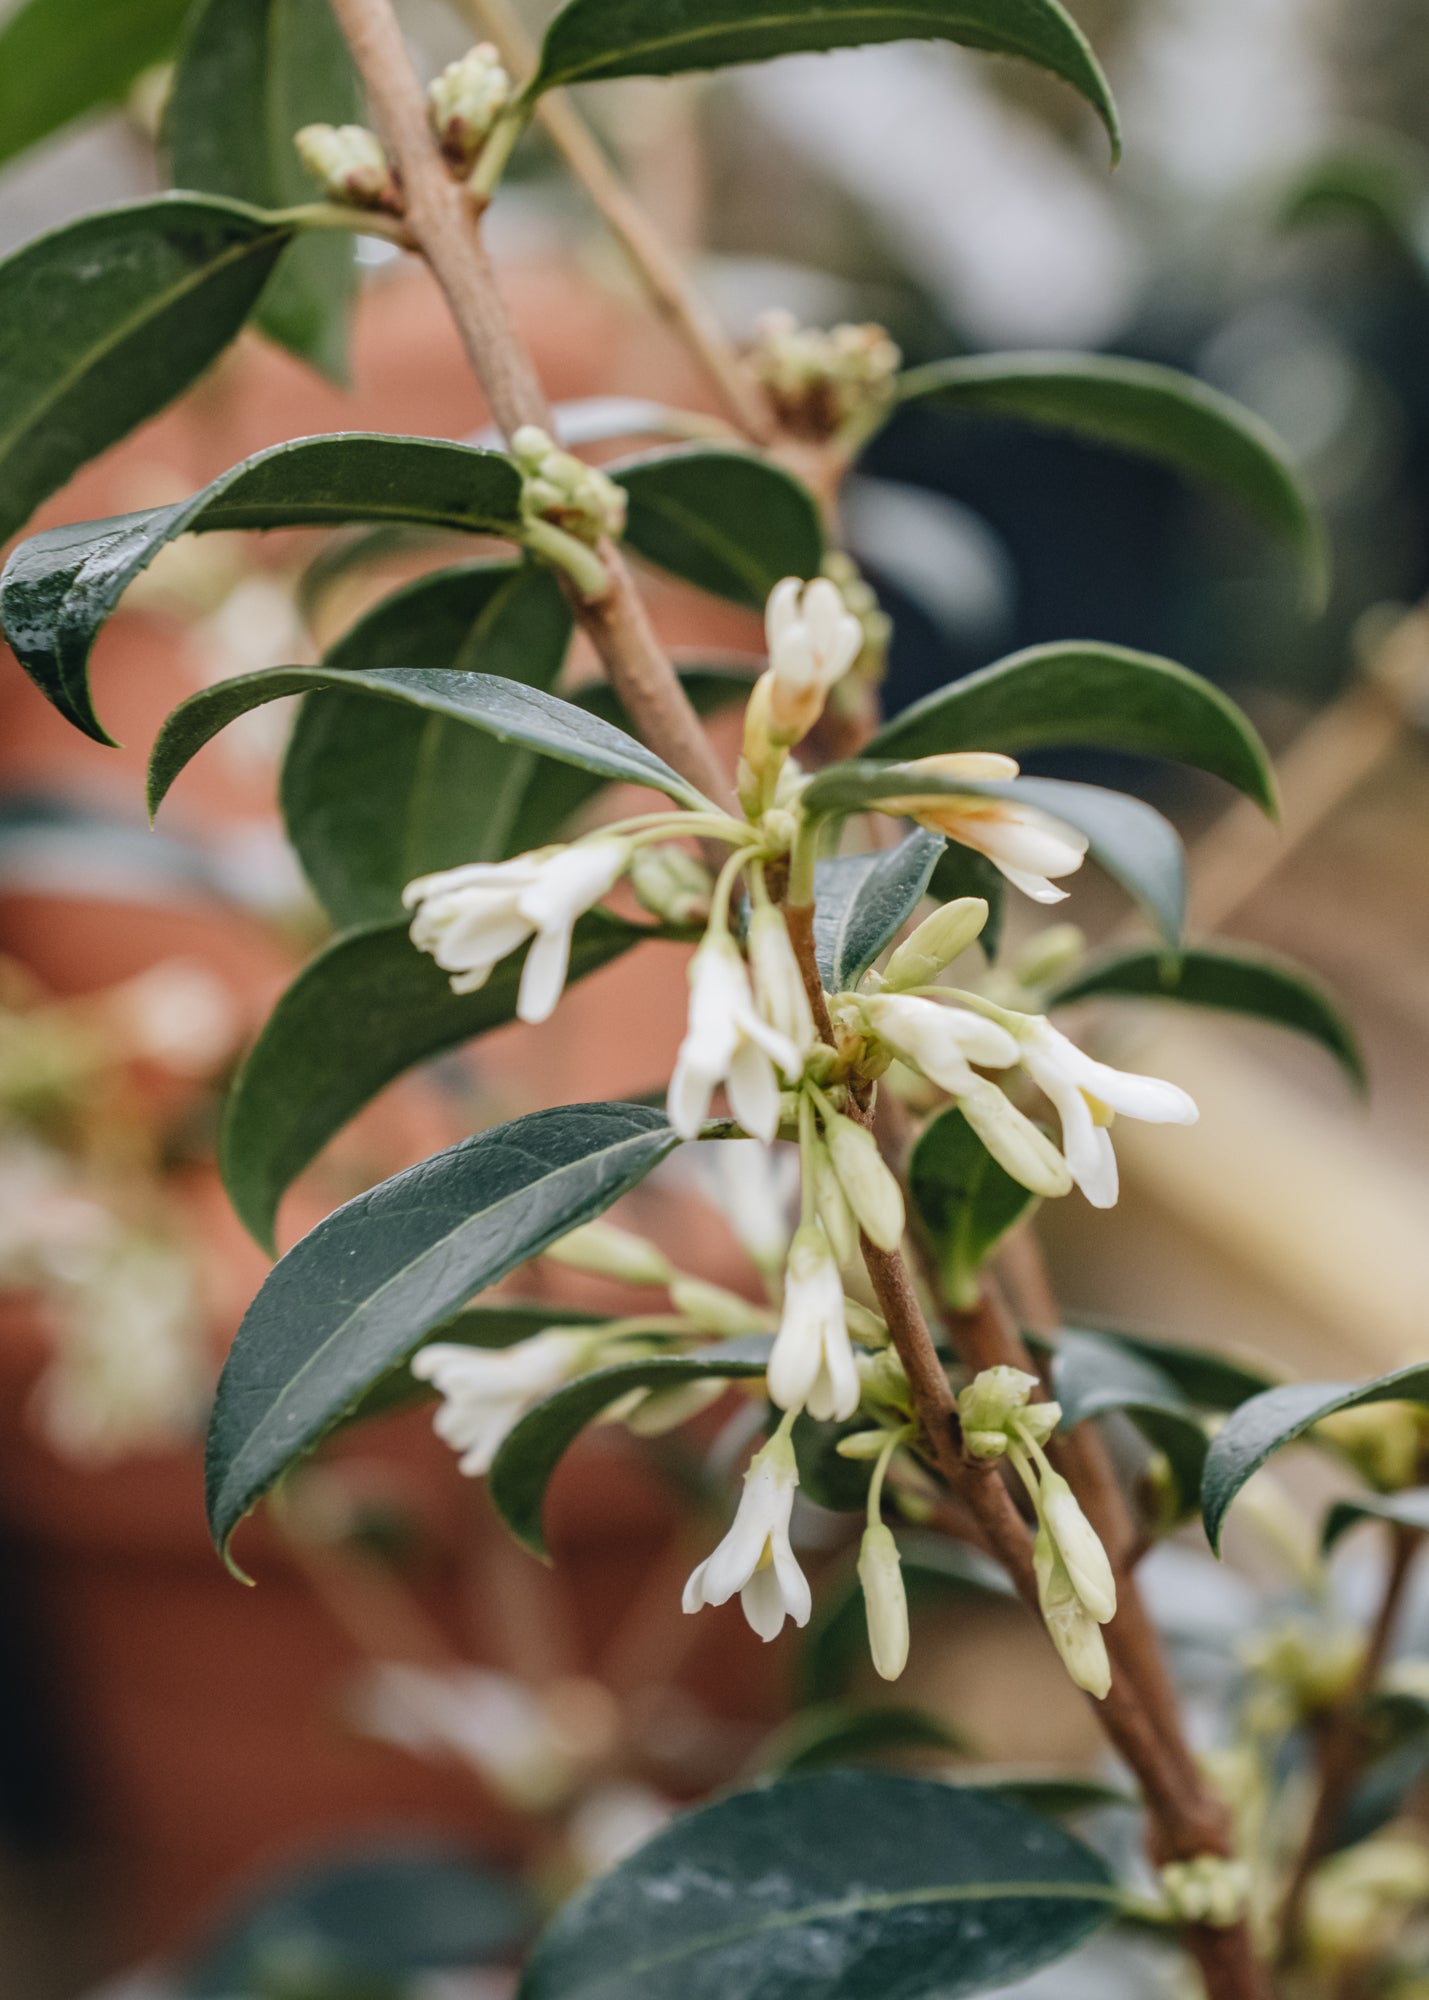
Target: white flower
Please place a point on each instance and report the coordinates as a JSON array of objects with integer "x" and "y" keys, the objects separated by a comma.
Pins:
[
  {"x": 811, "y": 1364},
  {"x": 1086, "y": 1094},
  {"x": 755, "y": 1557},
  {"x": 813, "y": 641},
  {"x": 778, "y": 982},
  {"x": 1024, "y": 843},
  {"x": 885, "y": 1601},
  {"x": 486, "y": 1391},
  {"x": 470, "y": 918},
  {"x": 728, "y": 1041},
  {"x": 1075, "y": 1633},
  {"x": 493, "y": 1724},
  {"x": 1079, "y": 1546}
]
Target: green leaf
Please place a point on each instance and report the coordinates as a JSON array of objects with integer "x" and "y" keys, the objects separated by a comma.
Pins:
[
  {"x": 1404, "y": 1510},
  {"x": 1140, "y": 407},
  {"x": 592, "y": 40},
  {"x": 1269, "y": 1422},
  {"x": 478, "y": 1326},
  {"x": 366, "y": 1287},
  {"x": 1382, "y": 179},
  {"x": 1086, "y": 692},
  {"x": 862, "y": 901},
  {"x": 1092, "y": 1377},
  {"x": 368, "y": 1007},
  {"x": 58, "y": 588},
  {"x": 935, "y": 1571},
  {"x": 1213, "y": 1381},
  {"x": 729, "y": 522},
  {"x": 1382, "y": 1793},
  {"x": 390, "y": 1914},
  {"x": 251, "y": 73},
  {"x": 843, "y": 1732},
  {"x": 522, "y": 1468},
  {"x": 105, "y": 321},
  {"x": 503, "y": 709},
  {"x": 826, "y": 1479},
  {"x": 1054, "y": 1795},
  {"x": 852, "y": 1885},
  {"x": 1136, "y": 846},
  {"x": 374, "y": 796},
  {"x": 1233, "y": 981},
  {"x": 965, "y": 1201},
  {"x": 62, "y": 58}
]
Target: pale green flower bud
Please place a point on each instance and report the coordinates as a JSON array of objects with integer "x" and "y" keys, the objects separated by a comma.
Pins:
[
  {"x": 1211, "y": 1889},
  {"x": 987, "y": 1404},
  {"x": 1050, "y": 955},
  {"x": 884, "y": 1380},
  {"x": 1080, "y": 1547},
  {"x": 711, "y": 1309},
  {"x": 1360, "y": 1900},
  {"x": 656, "y": 1411},
  {"x": 816, "y": 379},
  {"x": 862, "y": 1445},
  {"x": 671, "y": 883},
  {"x": 465, "y": 101},
  {"x": 565, "y": 491},
  {"x": 938, "y": 940},
  {"x": 1385, "y": 1442},
  {"x": 871, "y": 1190},
  {"x": 1038, "y": 1421},
  {"x": 611, "y": 1252},
  {"x": 869, "y": 1327},
  {"x": 1071, "y": 1627},
  {"x": 831, "y": 1204},
  {"x": 885, "y": 1601},
  {"x": 350, "y": 164}
]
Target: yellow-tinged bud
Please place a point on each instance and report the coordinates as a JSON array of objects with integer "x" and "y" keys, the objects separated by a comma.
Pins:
[
  {"x": 611, "y": 1252},
  {"x": 351, "y": 165},
  {"x": 671, "y": 883},
  {"x": 711, "y": 1309},
  {"x": 869, "y": 1327},
  {"x": 564, "y": 491},
  {"x": 1212, "y": 1889},
  {"x": 884, "y": 1380},
  {"x": 1080, "y": 1547},
  {"x": 988, "y": 1402},
  {"x": 466, "y": 100},
  {"x": 885, "y": 1601},
  {"x": 938, "y": 940},
  {"x": 862, "y": 1445},
  {"x": 831, "y": 1204},
  {"x": 1387, "y": 1443},
  {"x": 871, "y": 1190},
  {"x": 1049, "y": 955}
]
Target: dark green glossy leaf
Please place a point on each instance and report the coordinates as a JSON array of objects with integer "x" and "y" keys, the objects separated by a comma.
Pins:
[
  {"x": 59, "y": 587},
  {"x": 1234, "y": 981},
  {"x": 102, "y": 323},
  {"x": 964, "y": 1200},
  {"x": 729, "y": 522},
  {"x": 368, "y": 1007},
  {"x": 1055, "y": 1795},
  {"x": 522, "y": 1468},
  {"x": 388, "y": 1915},
  {"x": 1090, "y": 693},
  {"x": 851, "y": 1885},
  {"x": 842, "y": 1732},
  {"x": 935, "y": 1571},
  {"x": 478, "y": 1326},
  {"x": 1141, "y": 407},
  {"x": 366, "y": 1287},
  {"x": 1409, "y": 1509},
  {"x": 1092, "y": 1377},
  {"x": 862, "y": 901},
  {"x": 62, "y": 58},
  {"x": 503, "y": 709},
  {"x": 374, "y": 796},
  {"x": 1383, "y": 1792},
  {"x": 1215, "y": 1381},
  {"x": 251, "y": 73},
  {"x": 590, "y": 40},
  {"x": 1269, "y": 1422},
  {"x": 1136, "y": 846}
]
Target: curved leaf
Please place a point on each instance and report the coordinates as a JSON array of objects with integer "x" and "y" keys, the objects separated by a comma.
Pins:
[
  {"x": 1269, "y": 1422},
  {"x": 1086, "y": 692},
  {"x": 1402, "y": 1510},
  {"x": 522, "y": 1468},
  {"x": 373, "y": 796},
  {"x": 727, "y": 521},
  {"x": 58, "y": 588},
  {"x": 592, "y": 40},
  {"x": 1141, "y": 407},
  {"x": 1136, "y": 846},
  {"x": 1233, "y": 982},
  {"x": 862, "y": 901},
  {"x": 248, "y": 78},
  {"x": 843, "y": 1732},
  {"x": 1383, "y": 179},
  {"x": 1053, "y": 1794},
  {"x": 62, "y": 58},
  {"x": 965, "y": 1201},
  {"x": 503, "y": 709},
  {"x": 368, "y": 1007},
  {"x": 363, "y": 1289},
  {"x": 852, "y": 1885},
  {"x": 105, "y": 321},
  {"x": 1211, "y": 1380}
]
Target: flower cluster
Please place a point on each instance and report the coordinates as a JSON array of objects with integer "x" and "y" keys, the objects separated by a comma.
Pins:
[
  {"x": 817, "y": 379},
  {"x": 466, "y": 100},
  {"x": 351, "y": 165}
]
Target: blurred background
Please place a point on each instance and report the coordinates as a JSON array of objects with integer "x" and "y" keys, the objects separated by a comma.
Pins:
[{"x": 408, "y": 1714}]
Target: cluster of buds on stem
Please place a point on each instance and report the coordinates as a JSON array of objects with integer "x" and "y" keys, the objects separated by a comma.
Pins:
[
  {"x": 465, "y": 101},
  {"x": 1212, "y": 1889},
  {"x": 351, "y": 166},
  {"x": 813, "y": 640},
  {"x": 817, "y": 380},
  {"x": 567, "y": 507}
]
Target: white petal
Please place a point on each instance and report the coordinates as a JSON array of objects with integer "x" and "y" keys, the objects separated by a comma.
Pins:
[
  {"x": 793, "y": 1584},
  {"x": 543, "y": 976},
  {"x": 762, "y": 1601},
  {"x": 782, "y": 609},
  {"x": 694, "y": 1598},
  {"x": 1037, "y": 887},
  {"x": 754, "y": 1092},
  {"x": 823, "y": 611},
  {"x": 687, "y": 1102}
]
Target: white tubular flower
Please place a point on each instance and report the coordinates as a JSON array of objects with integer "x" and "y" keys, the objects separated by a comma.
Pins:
[
  {"x": 469, "y": 918},
  {"x": 811, "y": 1364},
  {"x": 1025, "y": 844},
  {"x": 1073, "y": 1630},
  {"x": 1080, "y": 1548},
  {"x": 728, "y": 1041},
  {"x": 486, "y": 1391},
  {"x": 813, "y": 641},
  {"x": 885, "y": 1601},
  {"x": 1086, "y": 1095},
  {"x": 755, "y": 1557},
  {"x": 778, "y": 982}
]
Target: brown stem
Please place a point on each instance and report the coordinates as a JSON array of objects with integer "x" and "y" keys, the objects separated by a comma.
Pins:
[
  {"x": 1344, "y": 1740},
  {"x": 445, "y": 227}
]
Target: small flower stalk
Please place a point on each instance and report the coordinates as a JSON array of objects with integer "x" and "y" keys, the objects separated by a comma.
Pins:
[
  {"x": 351, "y": 166},
  {"x": 465, "y": 101},
  {"x": 756, "y": 1558}
]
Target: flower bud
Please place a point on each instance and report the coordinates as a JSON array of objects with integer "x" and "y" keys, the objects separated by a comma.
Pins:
[
  {"x": 831, "y": 1204},
  {"x": 1071, "y": 1627},
  {"x": 610, "y": 1252},
  {"x": 938, "y": 940},
  {"x": 884, "y": 1380},
  {"x": 778, "y": 982},
  {"x": 817, "y": 379},
  {"x": 988, "y": 1402},
  {"x": 564, "y": 490},
  {"x": 1080, "y": 1547},
  {"x": 870, "y": 1189},
  {"x": 869, "y": 1327},
  {"x": 671, "y": 883},
  {"x": 1049, "y": 955},
  {"x": 465, "y": 101},
  {"x": 885, "y": 1600},
  {"x": 657, "y": 1411},
  {"x": 351, "y": 165},
  {"x": 711, "y": 1309},
  {"x": 1212, "y": 1889},
  {"x": 1385, "y": 1442}
]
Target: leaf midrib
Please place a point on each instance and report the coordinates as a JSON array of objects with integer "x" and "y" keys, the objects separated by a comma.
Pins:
[{"x": 703, "y": 533}]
